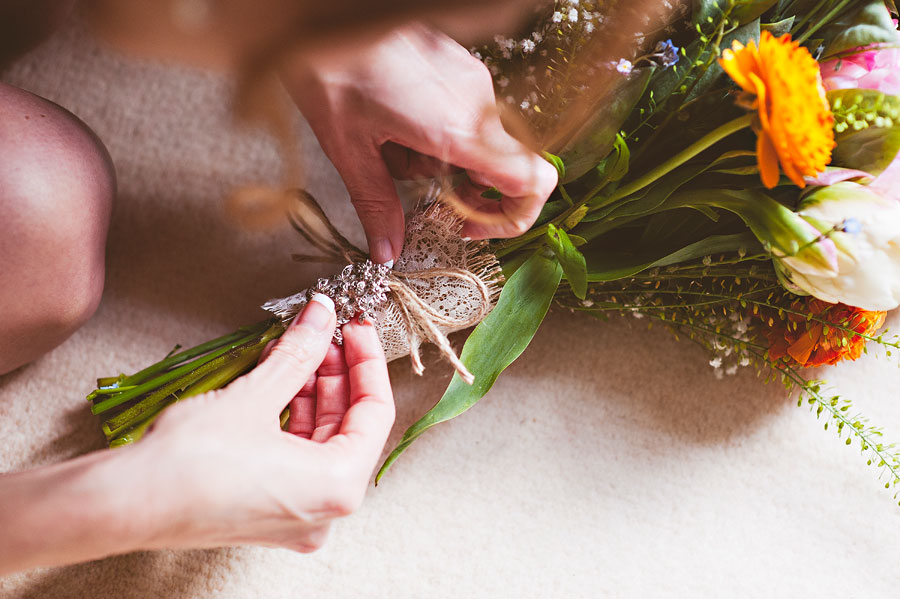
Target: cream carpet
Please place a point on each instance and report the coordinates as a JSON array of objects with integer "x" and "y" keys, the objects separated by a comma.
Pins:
[{"x": 607, "y": 462}]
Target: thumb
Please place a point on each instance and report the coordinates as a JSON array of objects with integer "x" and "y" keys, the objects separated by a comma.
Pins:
[
  {"x": 294, "y": 358},
  {"x": 375, "y": 198}
]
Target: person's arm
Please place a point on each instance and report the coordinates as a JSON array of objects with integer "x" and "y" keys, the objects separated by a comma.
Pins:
[{"x": 217, "y": 469}]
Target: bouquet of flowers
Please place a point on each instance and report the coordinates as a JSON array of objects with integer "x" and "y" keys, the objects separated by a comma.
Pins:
[{"x": 728, "y": 170}]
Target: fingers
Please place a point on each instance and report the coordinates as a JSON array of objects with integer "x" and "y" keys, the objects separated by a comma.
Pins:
[
  {"x": 493, "y": 158},
  {"x": 332, "y": 393},
  {"x": 370, "y": 417},
  {"x": 375, "y": 198},
  {"x": 293, "y": 360},
  {"x": 406, "y": 165}
]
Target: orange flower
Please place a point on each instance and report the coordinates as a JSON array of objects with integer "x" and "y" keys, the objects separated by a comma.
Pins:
[
  {"x": 796, "y": 341},
  {"x": 795, "y": 126}
]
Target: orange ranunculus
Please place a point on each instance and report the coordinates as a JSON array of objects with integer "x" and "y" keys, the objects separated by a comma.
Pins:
[
  {"x": 795, "y": 126},
  {"x": 795, "y": 340}
]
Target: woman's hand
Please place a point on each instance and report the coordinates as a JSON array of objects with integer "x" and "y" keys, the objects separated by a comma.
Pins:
[
  {"x": 217, "y": 469},
  {"x": 244, "y": 480},
  {"x": 403, "y": 108}
]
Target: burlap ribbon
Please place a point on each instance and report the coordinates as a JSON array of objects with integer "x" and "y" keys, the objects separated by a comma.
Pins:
[{"x": 421, "y": 320}]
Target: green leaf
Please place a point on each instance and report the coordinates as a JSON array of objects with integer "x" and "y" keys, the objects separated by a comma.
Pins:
[
  {"x": 867, "y": 129},
  {"x": 609, "y": 266},
  {"x": 571, "y": 260},
  {"x": 551, "y": 210},
  {"x": 622, "y": 162},
  {"x": 492, "y": 193},
  {"x": 557, "y": 163},
  {"x": 494, "y": 344},
  {"x": 869, "y": 22},
  {"x": 594, "y": 140},
  {"x": 780, "y": 28},
  {"x": 744, "y": 34},
  {"x": 710, "y": 11}
]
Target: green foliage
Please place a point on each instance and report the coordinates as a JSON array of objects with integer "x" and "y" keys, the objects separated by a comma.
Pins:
[
  {"x": 494, "y": 344},
  {"x": 867, "y": 129},
  {"x": 600, "y": 132},
  {"x": 779, "y": 28},
  {"x": 610, "y": 266},
  {"x": 867, "y": 22},
  {"x": 557, "y": 163},
  {"x": 492, "y": 193},
  {"x": 714, "y": 75},
  {"x": 571, "y": 260}
]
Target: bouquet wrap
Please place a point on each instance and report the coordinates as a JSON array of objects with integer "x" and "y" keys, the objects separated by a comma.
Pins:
[{"x": 441, "y": 283}]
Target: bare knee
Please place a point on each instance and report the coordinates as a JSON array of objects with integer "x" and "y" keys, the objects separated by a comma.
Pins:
[{"x": 56, "y": 190}]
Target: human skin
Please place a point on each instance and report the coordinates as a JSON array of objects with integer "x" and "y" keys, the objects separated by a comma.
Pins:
[
  {"x": 56, "y": 191},
  {"x": 217, "y": 469}
]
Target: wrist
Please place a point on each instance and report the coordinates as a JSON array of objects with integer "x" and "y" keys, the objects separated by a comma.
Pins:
[{"x": 87, "y": 508}]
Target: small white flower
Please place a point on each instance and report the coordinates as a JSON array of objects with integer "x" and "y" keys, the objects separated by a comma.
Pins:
[
  {"x": 587, "y": 303},
  {"x": 494, "y": 69},
  {"x": 510, "y": 100},
  {"x": 716, "y": 362},
  {"x": 731, "y": 370},
  {"x": 537, "y": 37},
  {"x": 503, "y": 82},
  {"x": 745, "y": 361},
  {"x": 477, "y": 55},
  {"x": 588, "y": 27},
  {"x": 624, "y": 66},
  {"x": 637, "y": 314},
  {"x": 527, "y": 46},
  {"x": 525, "y": 105},
  {"x": 574, "y": 2},
  {"x": 557, "y": 17},
  {"x": 573, "y": 15},
  {"x": 586, "y": 15}
]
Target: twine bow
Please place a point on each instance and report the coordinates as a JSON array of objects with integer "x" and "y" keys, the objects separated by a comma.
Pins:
[{"x": 421, "y": 320}]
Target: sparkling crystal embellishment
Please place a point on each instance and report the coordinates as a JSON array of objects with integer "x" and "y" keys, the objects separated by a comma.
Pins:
[{"x": 361, "y": 288}]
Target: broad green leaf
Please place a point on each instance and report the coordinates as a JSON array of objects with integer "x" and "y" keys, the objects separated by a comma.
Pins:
[
  {"x": 867, "y": 129},
  {"x": 608, "y": 266},
  {"x": 594, "y": 140},
  {"x": 706, "y": 12},
  {"x": 494, "y": 344},
  {"x": 551, "y": 210},
  {"x": 780, "y": 28},
  {"x": 868, "y": 22},
  {"x": 571, "y": 260}
]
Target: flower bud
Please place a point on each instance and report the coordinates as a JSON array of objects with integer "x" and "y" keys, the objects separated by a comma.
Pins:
[{"x": 865, "y": 230}]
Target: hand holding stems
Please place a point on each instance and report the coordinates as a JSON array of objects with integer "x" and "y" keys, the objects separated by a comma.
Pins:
[
  {"x": 217, "y": 469},
  {"x": 403, "y": 107}
]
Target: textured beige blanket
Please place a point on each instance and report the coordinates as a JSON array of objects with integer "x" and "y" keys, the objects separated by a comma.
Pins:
[{"x": 624, "y": 470}]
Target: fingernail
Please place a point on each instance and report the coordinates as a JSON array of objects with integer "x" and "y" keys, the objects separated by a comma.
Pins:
[
  {"x": 382, "y": 251},
  {"x": 389, "y": 264},
  {"x": 467, "y": 239},
  {"x": 318, "y": 312}
]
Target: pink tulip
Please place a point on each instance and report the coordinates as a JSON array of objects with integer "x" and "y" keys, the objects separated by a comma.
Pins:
[{"x": 872, "y": 67}]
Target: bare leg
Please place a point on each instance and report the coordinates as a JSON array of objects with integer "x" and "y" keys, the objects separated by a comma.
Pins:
[{"x": 56, "y": 190}]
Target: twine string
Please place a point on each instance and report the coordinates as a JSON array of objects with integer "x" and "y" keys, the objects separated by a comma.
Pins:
[{"x": 421, "y": 320}]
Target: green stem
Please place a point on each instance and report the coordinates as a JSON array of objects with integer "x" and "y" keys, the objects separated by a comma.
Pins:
[
  {"x": 150, "y": 371},
  {"x": 133, "y": 392},
  {"x": 236, "y": 357},
  {"x": 704, "y": 143},
  {"x": 135, "y": 428},
  {"x": 828, "y": 17}
]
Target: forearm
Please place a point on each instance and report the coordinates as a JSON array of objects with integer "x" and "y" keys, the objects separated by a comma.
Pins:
[{"x": 83, "y": 509}]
